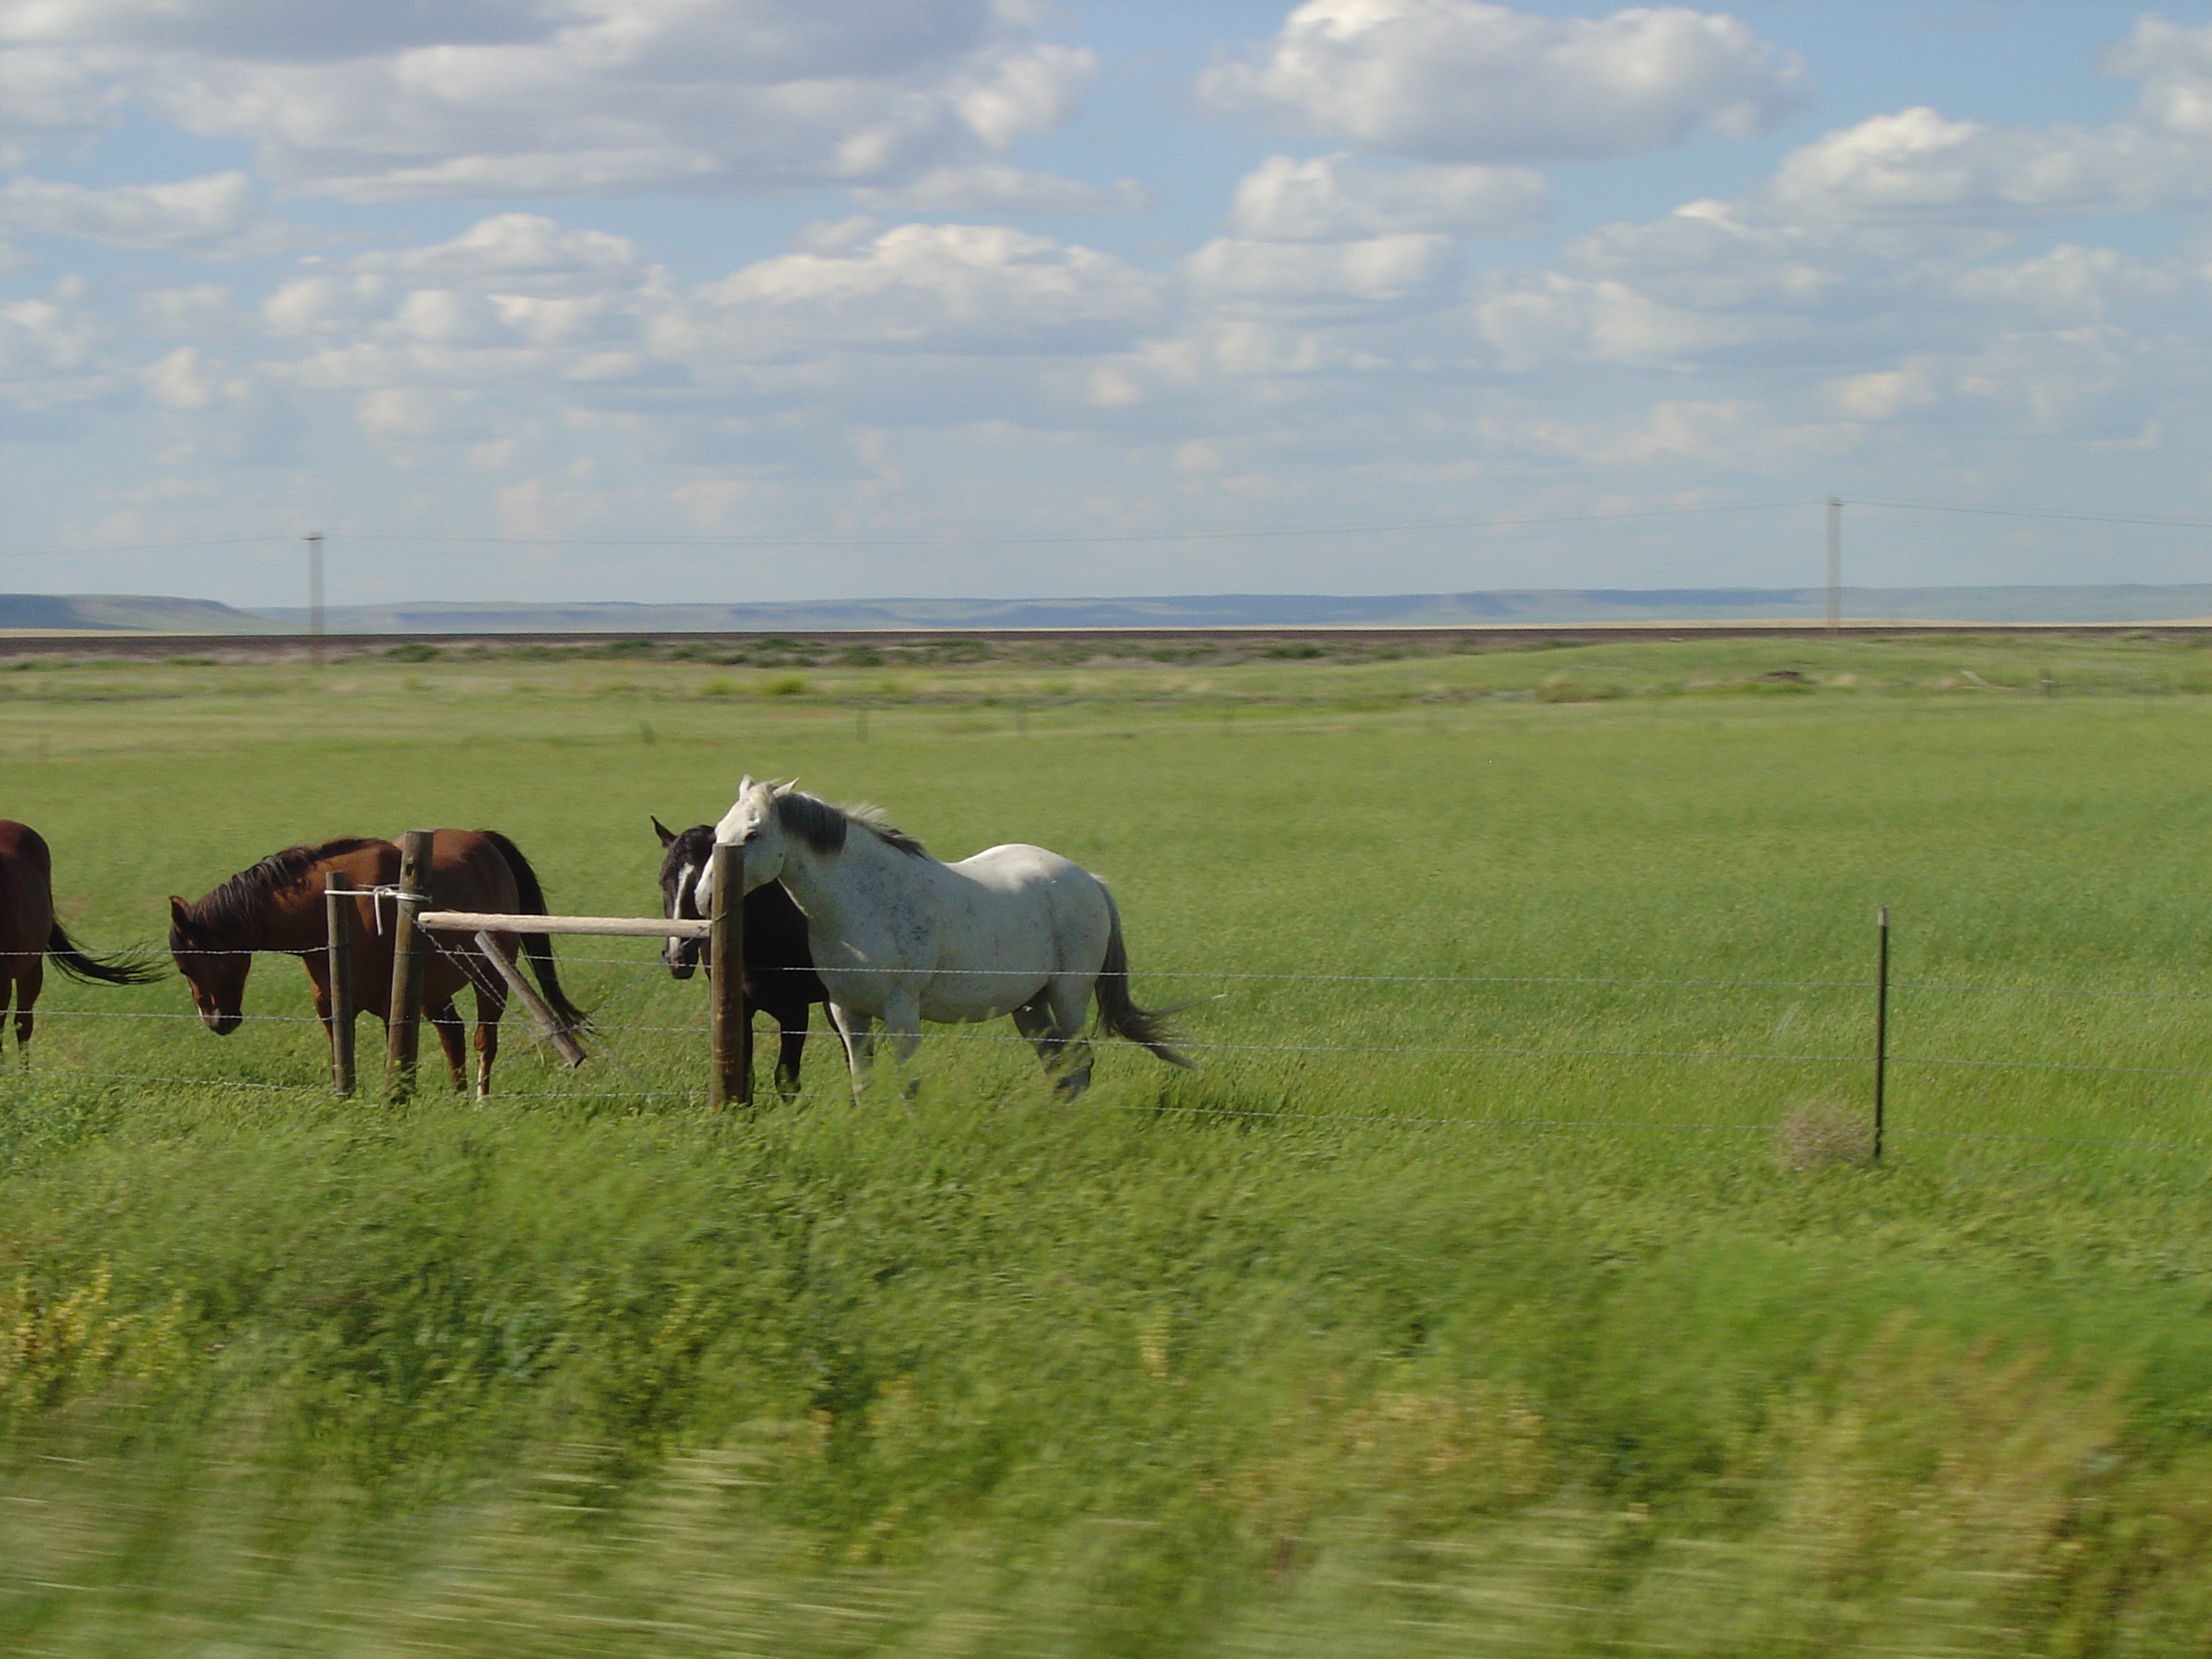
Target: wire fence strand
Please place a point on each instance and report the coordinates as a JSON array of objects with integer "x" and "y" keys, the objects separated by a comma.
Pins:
[
  {"x": 1240, "y": 974},
  {"x": 628, "y": 1082}
]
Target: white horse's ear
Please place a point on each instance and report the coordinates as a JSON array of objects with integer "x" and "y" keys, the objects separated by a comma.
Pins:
[
  {"x": 744, "y": 786},
  {"x": 786, "y": 787}
]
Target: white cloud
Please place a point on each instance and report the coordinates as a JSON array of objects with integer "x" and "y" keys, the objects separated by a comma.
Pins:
[
  {"x": 516, "y": 248},
  {"x": 1549, "y": 320},
  {"x": 1379, "y": 270},
  {"x": 1460, "y": 80},
  {"x": 43, "y": 90},
  {"x": 201, "y": 311},
  {"x": 2175, "y": 66},
  {"x": 211, "y": 215},
  {"x": 568, "y": 97},
  {"x": 1915, "y": 163},
  {"x": 54, "y": 353},
  {"x": 472, "y": 339},
  {"x": 993, "y": 187},
  {"x": 1671, "y": 433},
  {"x": 967, "y": 289},
  {"x": 1332, "y": 198},
  {"x": 276, "y": 30}
]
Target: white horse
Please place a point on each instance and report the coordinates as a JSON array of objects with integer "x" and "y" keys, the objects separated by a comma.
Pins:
[{"x": 901, "y": 937}]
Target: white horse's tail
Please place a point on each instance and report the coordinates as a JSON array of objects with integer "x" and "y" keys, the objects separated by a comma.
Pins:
[{"x": 1117, "y": 1015}]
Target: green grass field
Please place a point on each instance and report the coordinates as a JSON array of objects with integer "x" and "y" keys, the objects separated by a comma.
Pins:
[{"x": 1383, "y": 1333}]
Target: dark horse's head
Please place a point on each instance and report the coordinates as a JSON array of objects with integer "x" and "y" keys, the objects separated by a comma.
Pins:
[
  {"x": 682, "y": 864},
  {"x": 215, "y": 970}
]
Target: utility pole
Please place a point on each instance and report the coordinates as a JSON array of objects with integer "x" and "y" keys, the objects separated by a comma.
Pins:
[
  {"x": 315, "y": 597},
  {"x": 1835, "y": 564}
]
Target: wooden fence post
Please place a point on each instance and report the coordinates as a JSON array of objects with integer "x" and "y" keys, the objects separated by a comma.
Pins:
[
  {"x": 729, "y": 1022},
  {"x": 403, "y": 1026},
  {"x": 337, "y": 909}
]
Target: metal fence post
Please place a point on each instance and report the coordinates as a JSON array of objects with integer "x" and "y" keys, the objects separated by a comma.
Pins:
[
  {"x": 729, "y": 1022},
  {"x": 337, "y": 910},
  {"x": 1880, "y": 1022},
  {"x": 403, "y": 1026}
]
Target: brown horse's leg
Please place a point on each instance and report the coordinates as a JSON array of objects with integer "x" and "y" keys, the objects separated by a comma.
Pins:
[
  {"x": 6, "y": 987},
  {"x": 30, "y": 979},
  {"x": 491, "y": 1006},
  {"x": 790, "y": 1022},
  {"x": 445, "y": 1020}
]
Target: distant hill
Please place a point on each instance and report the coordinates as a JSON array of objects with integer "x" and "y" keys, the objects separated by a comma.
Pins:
[
  {"x": 129, "y": 613},
  {"x": 1537, "y": 606}
]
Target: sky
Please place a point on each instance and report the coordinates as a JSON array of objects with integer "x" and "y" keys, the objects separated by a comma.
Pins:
[{"x": 729, "y": 301}]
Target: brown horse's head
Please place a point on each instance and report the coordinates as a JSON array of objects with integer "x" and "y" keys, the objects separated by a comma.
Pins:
[{"x": 216, "y": 974}]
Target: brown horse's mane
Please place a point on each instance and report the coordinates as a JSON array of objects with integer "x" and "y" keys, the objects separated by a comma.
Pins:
[{"x": 235, "y": 908}]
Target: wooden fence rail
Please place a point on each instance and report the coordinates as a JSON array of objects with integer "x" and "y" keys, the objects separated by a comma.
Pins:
[{"x": 729, "y": 1025}]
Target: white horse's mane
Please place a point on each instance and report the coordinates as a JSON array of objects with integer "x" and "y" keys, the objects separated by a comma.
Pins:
[{"x": 822, "y": 824}]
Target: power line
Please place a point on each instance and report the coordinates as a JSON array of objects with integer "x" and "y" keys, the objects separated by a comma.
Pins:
[
  {"x": 2034, "y": 513},
  {"x": 145, "y": 547}
]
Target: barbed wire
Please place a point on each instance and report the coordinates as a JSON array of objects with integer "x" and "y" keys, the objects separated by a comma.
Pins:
[
  {"x": 643, "y": 969},
  {"x": 1240, "y": 974}
]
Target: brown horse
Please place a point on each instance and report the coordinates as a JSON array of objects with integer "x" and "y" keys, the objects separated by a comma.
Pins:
[
  {"x": 29, "y": 935},
  {"x": 277, "y": 905}
]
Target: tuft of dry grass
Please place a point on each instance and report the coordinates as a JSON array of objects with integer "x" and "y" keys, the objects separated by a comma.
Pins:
[{"x": 1824, "y": 1134}]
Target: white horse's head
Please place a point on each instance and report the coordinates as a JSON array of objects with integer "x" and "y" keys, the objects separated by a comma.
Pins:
[{"x": 754, "y": 823}]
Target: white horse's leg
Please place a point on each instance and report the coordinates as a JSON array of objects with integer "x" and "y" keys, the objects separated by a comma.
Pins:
[
  {"x": 1033, "y": 1020},
  {"x": 903, "y": 1029},
  {"x": 852, "y": 1026},
  {"x": 1067, "y": 999}
]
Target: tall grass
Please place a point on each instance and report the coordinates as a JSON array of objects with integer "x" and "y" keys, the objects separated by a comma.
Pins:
[{"x": 1354, "y": 1342}]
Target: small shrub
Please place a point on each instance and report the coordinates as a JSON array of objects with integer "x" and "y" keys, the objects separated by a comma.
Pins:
[
  {"x": 785, "y": 685},
  {"x": 414, "y": 651}
]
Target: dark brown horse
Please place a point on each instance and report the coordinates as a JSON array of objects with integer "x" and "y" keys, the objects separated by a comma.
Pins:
[
  {"x": 29, "y": 935},
  {"x": 277, "y": 905},
  {"x": 779, "y": 977}
]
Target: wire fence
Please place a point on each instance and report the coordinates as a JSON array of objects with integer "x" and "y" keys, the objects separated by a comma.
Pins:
[{"x": 609, "y": 1037}]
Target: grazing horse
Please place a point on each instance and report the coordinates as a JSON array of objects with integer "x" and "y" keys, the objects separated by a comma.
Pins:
[
  {"x": 900, "y": 938},
  {"x": 277, "y": 905},
  {"x": 29, "y": 935},
  {"x": 779, "y": 976}
]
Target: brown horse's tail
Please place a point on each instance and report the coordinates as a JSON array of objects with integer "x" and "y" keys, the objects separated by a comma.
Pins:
[
  {"x": 1120, "y": 1017},
  {"x": 537, "y": 947},
  {"x": 61, "y": 951}
]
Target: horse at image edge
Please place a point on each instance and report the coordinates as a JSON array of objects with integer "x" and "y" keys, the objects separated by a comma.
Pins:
[
  {"x": 899, "y": 937},
  {"x": 30, "y": 936},
  {"x": 779, "y": 976},
  {"x": 277, "y": 905}
]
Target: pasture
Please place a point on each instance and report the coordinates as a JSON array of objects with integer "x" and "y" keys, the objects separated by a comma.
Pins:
[{"x": 1501, "y": 1280}]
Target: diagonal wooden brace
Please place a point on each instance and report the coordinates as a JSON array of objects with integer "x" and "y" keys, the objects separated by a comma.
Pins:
[{"x": 548, "y": 1024}]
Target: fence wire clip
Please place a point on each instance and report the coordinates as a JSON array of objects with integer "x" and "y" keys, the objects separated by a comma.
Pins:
[{"x": 397, "y": 895}]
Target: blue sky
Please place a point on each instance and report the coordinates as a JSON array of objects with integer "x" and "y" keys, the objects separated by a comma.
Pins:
[{"x": 733, "y": 300}]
